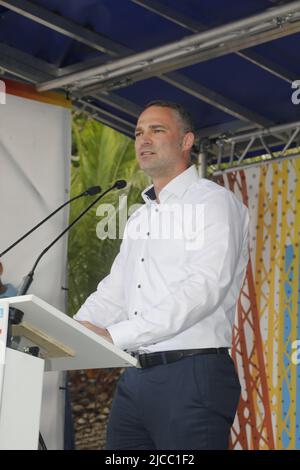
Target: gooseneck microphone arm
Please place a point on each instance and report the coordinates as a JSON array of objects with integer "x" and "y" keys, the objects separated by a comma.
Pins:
[
  {"x": 89, "y": 192},
  {"x": 29, "y": 278}
]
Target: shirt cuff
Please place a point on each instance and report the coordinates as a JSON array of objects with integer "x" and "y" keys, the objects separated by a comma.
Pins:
[{"x": 123, "y": 334}]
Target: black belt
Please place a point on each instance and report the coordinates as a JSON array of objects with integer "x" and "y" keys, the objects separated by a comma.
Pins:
[{"x": 165, "y": 357}]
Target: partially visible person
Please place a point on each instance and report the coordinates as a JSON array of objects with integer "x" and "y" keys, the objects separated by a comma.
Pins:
[
  {"x": 6, "y": 290},
  {"x": 170, "y": 301}
]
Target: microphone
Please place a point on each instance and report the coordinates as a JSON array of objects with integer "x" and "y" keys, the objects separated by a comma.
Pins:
[
  {"x": 91, "y": 191},
  {"x": 119, "y": 184},
  {"x": 88, "y": 192}
]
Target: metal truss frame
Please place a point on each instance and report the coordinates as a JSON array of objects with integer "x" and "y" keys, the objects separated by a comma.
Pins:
[
  {"x": 228, "y": 153},
  {"x": 204, "y": 44},
  {"x": 114, "y": 49},
  {"x": 190, "y": 24},
  {"x": 216, "y": 42}
]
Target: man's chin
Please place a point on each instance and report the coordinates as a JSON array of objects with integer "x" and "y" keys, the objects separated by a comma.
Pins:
[{"x": 150, "y": 170}]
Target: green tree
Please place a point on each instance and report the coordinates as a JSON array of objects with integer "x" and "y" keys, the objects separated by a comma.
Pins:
[{"x": 100, "y": 157}]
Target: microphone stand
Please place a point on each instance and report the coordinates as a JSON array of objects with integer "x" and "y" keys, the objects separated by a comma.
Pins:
[
  {"x": 29, "y": 278},
  {"x": 15, "y": 315},
  {"x": 89, "y": 192}
]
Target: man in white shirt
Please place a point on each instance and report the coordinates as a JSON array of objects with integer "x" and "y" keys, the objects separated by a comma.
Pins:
[{"x": 170, "y": 298}]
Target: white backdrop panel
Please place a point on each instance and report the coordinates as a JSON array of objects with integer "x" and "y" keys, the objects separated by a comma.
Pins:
[{"x": 35, "y": 148}]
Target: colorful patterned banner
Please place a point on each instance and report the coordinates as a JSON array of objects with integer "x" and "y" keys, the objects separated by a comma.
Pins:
[{"x": 268, "y": 319}]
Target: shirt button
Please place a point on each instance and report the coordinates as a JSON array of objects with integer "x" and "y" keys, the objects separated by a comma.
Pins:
[
  {"x": 142, "y": 259},
  {"x": 156, "y": 210},
  {"x": 139, "y": 285},
  {"x": 135, "y": 313}
]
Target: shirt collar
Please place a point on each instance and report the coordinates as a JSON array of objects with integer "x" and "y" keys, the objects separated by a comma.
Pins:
[{"x": 176, "y": 187}]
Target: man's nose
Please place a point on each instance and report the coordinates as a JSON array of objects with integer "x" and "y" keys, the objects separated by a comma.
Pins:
[{"x": 147, "y": 138}]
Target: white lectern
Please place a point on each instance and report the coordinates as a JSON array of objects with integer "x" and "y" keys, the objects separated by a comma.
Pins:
[{"x": 64, "y": 344}]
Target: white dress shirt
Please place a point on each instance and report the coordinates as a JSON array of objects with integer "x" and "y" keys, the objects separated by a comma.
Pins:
[{"x": 168, "y": 292}]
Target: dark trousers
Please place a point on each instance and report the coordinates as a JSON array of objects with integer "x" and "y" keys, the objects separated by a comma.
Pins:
[{"x": 188, "y": 404}]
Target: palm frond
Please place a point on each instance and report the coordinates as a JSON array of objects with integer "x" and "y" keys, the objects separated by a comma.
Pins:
[{"x": 104, "y": 157}]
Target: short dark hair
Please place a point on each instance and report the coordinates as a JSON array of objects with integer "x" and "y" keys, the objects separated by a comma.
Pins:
[{"x": 184, "y": 116}]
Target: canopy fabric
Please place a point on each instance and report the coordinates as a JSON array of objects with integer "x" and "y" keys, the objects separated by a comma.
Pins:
[{"x": 226, "y": 85}]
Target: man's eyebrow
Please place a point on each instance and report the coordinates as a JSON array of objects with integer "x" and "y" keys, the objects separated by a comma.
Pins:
[{"x": 152, "y": 126}]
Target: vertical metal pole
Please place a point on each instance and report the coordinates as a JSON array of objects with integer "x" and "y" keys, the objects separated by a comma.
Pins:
[{"x": 202, "y": 159}]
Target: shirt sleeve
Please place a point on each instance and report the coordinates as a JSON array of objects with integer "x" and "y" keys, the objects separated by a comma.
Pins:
[
  {"x": 209, "y": 273},
  {"x": 106, "y": 305}
]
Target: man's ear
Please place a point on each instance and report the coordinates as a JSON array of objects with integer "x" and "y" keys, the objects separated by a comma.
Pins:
[{"x": 188, "y": 141}]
